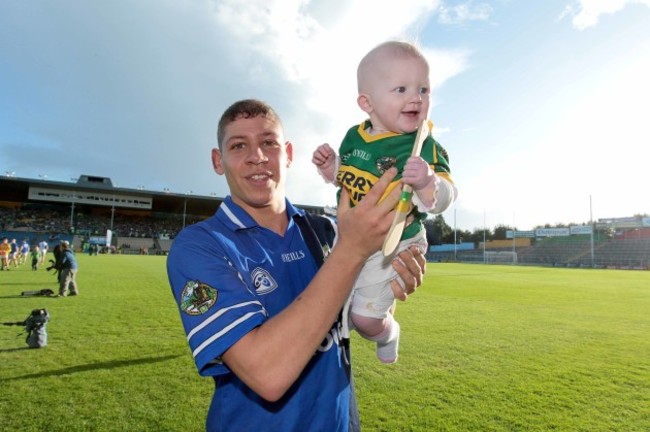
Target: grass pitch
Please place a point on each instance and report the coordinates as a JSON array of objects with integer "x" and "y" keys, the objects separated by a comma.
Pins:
[{"x": 483, "y": 348}]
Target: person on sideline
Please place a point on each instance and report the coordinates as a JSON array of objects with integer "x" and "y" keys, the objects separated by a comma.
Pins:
[
  {"x": 36, "y": 257},
  {"x": 260, "y": 316},
  {"x": 67, "y": 265},
  {"x": 23, "y": 252},
  {"x": 13, "y": 254},
  {"x": 5, "y": 250},
  {"x": 394, "y": 90},
  {"x": 42, "y": 246}
]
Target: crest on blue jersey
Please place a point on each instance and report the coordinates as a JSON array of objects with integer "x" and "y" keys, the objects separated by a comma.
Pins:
[
  {"x": 197, "y": 298},
  {"x": 263, "y": 281}
]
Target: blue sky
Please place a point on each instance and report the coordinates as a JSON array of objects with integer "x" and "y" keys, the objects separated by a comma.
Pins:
[{"x": 543, "y": 106}]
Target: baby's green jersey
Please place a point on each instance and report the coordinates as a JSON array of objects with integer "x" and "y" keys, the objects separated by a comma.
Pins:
[{"x": 365, "y": 157}]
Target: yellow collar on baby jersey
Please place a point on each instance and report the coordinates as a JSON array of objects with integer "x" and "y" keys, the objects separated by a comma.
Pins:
[{"x": 367, "y": 137}]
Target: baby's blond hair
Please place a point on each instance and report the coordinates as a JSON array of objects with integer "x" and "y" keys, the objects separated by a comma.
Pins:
[{"x": 390, "y": 48}]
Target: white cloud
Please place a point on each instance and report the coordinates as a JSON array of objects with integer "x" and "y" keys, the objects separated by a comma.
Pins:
[
  {"x": 118, "y": 88},
  {"x": 316, "y": 53},
  {"x": 461, "y": 13},
  {"x": 586, "y": 13},
  {"x": 445, "y": 64},
  {"x": 319, "y": 51}
]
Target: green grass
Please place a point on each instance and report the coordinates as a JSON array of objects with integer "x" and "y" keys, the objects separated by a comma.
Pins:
[{"x": 483, "y": 348}]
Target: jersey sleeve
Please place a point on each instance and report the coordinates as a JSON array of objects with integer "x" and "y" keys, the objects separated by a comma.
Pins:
[
  {"x": 216, "y": 306},
  {"x": 438, "y": 159}
]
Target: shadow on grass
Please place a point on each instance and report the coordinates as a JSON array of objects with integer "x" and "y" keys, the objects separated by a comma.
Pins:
[
  {"x": 91, "y": 367},
  {"x": 14, "y": 349},
  {"x": 8, "y": 284}
]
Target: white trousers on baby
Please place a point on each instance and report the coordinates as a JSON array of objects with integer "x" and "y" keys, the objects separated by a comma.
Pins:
[{"x": 372, "y": 295}]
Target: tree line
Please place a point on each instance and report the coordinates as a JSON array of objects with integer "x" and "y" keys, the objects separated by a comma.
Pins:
[{"x": 439, "y": 232}]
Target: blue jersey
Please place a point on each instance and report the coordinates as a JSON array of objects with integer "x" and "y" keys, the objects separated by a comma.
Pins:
[{"x": 228, "y": 276}]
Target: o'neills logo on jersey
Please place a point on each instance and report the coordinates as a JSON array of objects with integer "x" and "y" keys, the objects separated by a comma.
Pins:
[
  {"x": 293, "y": 256},
  {"x": 263, "y": 281}
]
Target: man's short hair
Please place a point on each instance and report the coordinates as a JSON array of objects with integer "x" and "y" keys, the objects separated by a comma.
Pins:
[{"x": 246, "y": 108}]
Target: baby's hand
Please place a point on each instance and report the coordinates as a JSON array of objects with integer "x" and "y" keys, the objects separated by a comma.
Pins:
[
  {"x": 325, "y": 159},
  {"x": 323, "y": 156},
  {"x": 417, "y": 173}
]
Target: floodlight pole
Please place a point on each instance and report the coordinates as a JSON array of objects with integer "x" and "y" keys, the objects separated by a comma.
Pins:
[
  {"x": 514, "y": 236},
  {"x": 484, "y": 240},
  {"x": 72, "y": 213},
  {"x": 112, "y": 212},
  {"x": 455, "y": 241},
  {"x": 591, "y": 219},
  {"x": 184, "y": 211}
]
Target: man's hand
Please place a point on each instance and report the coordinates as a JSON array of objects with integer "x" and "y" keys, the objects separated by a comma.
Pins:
[
  {"x": 363, "y": 228},
  {"x": 324, "y": 158},
  {"x": 410, "y": 265}
]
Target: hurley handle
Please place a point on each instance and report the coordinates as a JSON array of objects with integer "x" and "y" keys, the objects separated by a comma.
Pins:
[{"x": 402, "y": 208}]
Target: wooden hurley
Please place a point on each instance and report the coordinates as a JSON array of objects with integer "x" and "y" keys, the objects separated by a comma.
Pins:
[{"x": 404, "y": 204}]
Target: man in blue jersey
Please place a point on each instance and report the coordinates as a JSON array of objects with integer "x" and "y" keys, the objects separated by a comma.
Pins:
[{"x": 260, "y": 316}]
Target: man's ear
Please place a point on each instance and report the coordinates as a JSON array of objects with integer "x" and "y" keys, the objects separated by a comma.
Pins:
[
  {"x": 216, "y": 161},
  {"x": 289, "y": 150},
  {"x": 363, "y": 100}
]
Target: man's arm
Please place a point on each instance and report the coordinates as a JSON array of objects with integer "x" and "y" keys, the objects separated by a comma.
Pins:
[{"x": 263, "y": 359}]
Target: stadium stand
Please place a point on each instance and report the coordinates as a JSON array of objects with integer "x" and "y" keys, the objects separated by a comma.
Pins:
[
  {"x": 628, "y": 249},
  {"x": 554, "y": 250},
  {"x": 28, "y": 215},
  {"x": 625, "y": 253},
  {"x": 83, "y": 211}
]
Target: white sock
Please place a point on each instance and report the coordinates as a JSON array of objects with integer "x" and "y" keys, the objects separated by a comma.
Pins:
[{"x": 388, "y": 341}]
